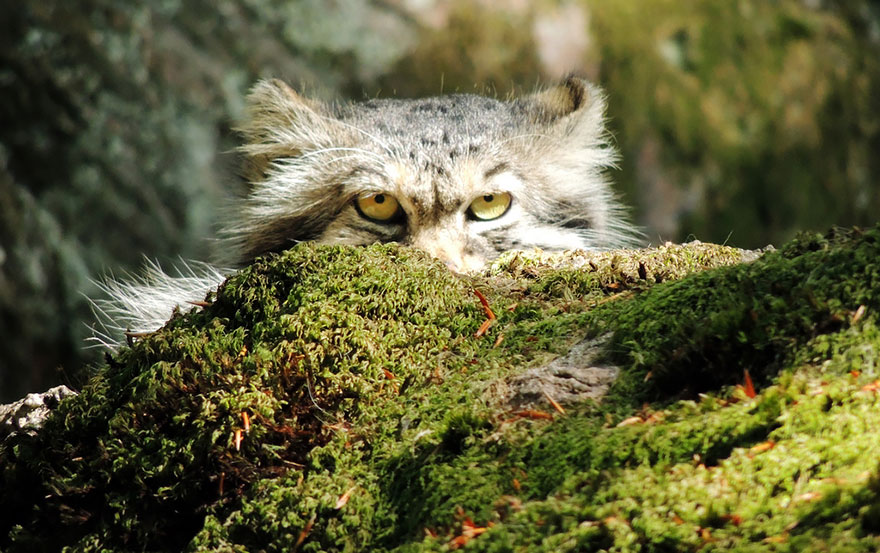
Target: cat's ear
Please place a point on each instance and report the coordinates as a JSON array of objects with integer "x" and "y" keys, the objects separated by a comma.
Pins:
[
  {"x": 573, "y": 108},
  {"x": 280, "y": 123}
]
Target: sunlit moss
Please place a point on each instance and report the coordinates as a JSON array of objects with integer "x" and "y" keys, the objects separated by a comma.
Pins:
[{"x": 371, "y": 422}]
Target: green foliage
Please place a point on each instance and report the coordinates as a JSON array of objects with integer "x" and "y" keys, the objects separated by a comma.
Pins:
[
  {"x": 375, "y": 421},
  {"x": 744, "y": 120}
]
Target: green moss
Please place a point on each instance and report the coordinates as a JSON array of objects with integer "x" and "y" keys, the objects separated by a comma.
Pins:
[
  {"x": 742, "y": 105},
  {"x": 375, "y": 424},
  {"x": 704, "y": 331}
]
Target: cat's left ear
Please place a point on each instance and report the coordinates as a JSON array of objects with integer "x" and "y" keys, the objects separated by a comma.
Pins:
[
  {"x": 574, "y": 108},
  {"x": 280, "y": 123}
]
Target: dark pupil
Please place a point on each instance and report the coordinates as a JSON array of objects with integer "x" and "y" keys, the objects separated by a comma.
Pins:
[
  {"x": 380, "y": 198},
  {"x": 488, "y": 198}
]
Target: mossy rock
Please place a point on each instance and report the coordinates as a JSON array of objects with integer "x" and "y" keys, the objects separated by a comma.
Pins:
[{"x": 348, "y": 399}]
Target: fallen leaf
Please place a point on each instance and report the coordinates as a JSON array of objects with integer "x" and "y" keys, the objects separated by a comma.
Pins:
[
  {"x": 809, "y": 496},
  {"x": 630, "y": 421},
  {"x": 533, "y": 414},
  {"x": 761, "y": 448},
  {"x": 859, "y": 313},
  {"x": 736, "y": 520}
]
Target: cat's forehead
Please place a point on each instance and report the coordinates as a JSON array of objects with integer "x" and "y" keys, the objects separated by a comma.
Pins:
[
  {"x": 456, "y": 124},
  {"x": 441, "y": 151}
]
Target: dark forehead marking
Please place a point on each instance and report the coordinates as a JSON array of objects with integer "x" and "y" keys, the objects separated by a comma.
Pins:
[
  {"x": 442, "y": 123},
  {"x": 500, "y": 168}
]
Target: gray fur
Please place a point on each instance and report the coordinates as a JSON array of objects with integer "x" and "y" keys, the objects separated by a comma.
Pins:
[{"x": 308, "y": 162}]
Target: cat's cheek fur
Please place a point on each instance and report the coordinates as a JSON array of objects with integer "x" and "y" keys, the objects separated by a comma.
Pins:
[{"x": 351, "y": 229}]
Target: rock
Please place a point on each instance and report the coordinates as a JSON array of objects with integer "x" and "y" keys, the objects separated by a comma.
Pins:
[
  {"x": 29, "y": 413},
  {"x": 582, "y": 374}
]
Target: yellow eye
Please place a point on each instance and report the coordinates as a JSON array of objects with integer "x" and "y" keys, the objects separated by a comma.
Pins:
[
  {"x": 382, "y": 208},
  {"x": 490, "y": 206}
]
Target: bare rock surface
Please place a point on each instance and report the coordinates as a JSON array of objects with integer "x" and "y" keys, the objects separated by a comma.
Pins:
[
  {"x": 29, "y": 413},
  {"x": 579, "y": 375}
]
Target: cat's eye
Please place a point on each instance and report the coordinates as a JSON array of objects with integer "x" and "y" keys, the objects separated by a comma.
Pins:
[
  {"x": 382, "y": 208},
  {"x": 490, "y": 206}
]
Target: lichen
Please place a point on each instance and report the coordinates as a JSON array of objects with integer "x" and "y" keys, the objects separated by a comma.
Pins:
[{"x": 338, "y": 399}]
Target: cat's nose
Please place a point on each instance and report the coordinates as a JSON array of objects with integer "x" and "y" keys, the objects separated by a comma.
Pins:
[
  {"x": 463, "y": 265},
  {"x": 452, "y": 266},
  {"x": 449, "y": 250}
]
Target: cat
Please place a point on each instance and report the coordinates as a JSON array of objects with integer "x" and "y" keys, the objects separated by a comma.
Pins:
[{"x": 462, "y": 177}]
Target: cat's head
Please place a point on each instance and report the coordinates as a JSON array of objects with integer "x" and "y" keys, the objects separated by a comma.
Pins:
[{"x": 462, "y": 177}]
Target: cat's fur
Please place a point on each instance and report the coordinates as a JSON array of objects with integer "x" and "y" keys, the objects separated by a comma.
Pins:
[{"x": 308, "y": 162}]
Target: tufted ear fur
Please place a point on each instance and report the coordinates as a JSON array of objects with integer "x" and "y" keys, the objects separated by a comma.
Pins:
[
  {"x": 573, "y": 109},
  {"x": 573, "y": 149},
  {"x": 279, "y": 123}
]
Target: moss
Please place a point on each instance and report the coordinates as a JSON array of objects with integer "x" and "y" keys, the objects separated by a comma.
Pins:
[
  {"x": 372, "y": 422},
  {"x": 706, "y": 330}
]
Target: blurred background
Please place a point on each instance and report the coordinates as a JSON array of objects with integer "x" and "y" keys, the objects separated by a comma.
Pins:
[{"x": 739, "y": 121}]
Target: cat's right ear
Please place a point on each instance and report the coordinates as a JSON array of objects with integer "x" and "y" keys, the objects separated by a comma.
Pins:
[{"x": 280, "y": 123}]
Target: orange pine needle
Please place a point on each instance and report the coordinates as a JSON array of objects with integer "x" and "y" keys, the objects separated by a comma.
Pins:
[
  {"x": 554, "y": 403},
  {"x": 246, "y": 420},
  {"x": 762, "y": 447},
  {"x": 469, "y": 530},
  {"x": 483, "y": 328},
  {"x": 340, "y": 503},
  {"x": 498, "y": 340},
  {"x": 485, "y": 303},
  {"x": 748, "y": 387},
  {"x": 305, "y": 533}
]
